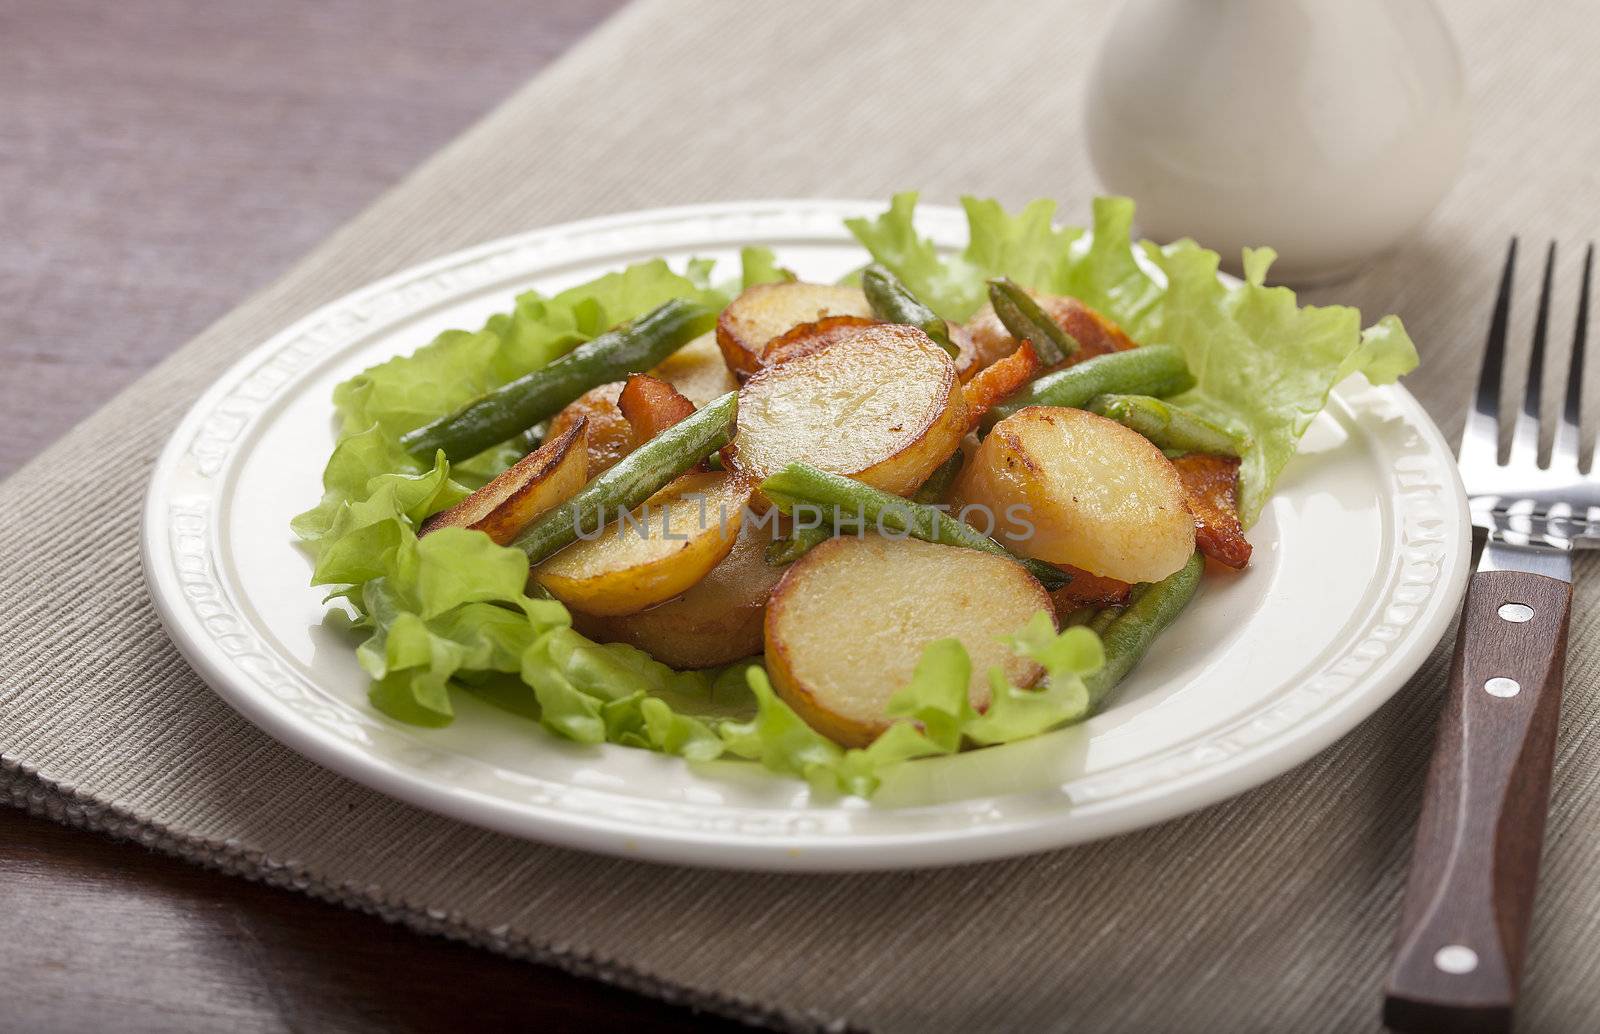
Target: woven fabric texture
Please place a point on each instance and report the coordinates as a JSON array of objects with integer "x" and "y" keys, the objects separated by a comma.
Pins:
[{"x": 1273, "y": 911}]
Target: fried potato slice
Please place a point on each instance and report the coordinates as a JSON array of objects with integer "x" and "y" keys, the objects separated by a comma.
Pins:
[
  {"x": 663, "y": 547},
  {"x": 805, "y": 338},
  {"x": 1211, "y": 490},
  {"x": 1003, "y": 378},
  {"x": 717, "y": 621},
  {"x": 546, "y": 477},
  {"x": 1096, "y": 334},
  {"x": 1070, "y": 487},
  {"x": 610, "y": 434},
  {"x": 697, "y": 370},
  {"x": 764, "y": 311},
  {"x": 651, "y": 406},
  {"x": 848, "y": 622},
  {"x": 882, "y": 406}
]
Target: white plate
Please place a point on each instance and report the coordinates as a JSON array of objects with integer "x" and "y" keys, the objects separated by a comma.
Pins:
[{"x": 1359, "y": 562}]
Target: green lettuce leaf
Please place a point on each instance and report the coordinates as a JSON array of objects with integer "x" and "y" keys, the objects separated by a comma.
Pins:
[
  {"x": 449, "y": 603},
  {"x": 952, "y": 286},
  {"x": 1264, "y": 364},
  {"x": 760, "y": 266}
]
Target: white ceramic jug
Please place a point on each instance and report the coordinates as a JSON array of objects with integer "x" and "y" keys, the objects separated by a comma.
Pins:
[{"x": 1327, "y": 129}]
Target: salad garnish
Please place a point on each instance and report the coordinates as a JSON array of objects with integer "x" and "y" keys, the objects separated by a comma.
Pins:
[{"x": 946, "y": 503}]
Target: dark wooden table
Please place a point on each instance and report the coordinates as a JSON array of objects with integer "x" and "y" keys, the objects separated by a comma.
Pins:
[{"x": 160, "y": 160}]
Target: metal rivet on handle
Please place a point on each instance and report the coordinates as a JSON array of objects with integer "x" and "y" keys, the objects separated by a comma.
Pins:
[
  {"x": 1501, "y": 686},
  {"x": 1517, "y": 612},
  {"x": 1456, "y": 958}
]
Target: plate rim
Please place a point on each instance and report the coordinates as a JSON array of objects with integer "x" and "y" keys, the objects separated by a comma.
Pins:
[{"x": 1245, "y": 769}]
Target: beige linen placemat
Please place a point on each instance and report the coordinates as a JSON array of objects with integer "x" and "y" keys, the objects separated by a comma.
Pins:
[{"x": 1271, "y": 912}]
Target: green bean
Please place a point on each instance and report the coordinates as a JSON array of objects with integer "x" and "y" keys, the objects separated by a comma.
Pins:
[
  {"x": 893, "y": 301},
  {"x": 802, "y": 483},
  {"x": 1026, "y": 321},
  {"x": 635, "y": 478},
  {"x": 1102, "y": 618},
  {"x": 938, "y": 484},
  {"x": 783, "y": 552},
  {"x": 514, "y": 407},
  {"x": 1168, "y": 426},
  {"x": 787, "y": 551},
  {"x": 1129, "y": 634},
  {"x": 533, "y": 437},
  {"x": 1151, "y": 370}
]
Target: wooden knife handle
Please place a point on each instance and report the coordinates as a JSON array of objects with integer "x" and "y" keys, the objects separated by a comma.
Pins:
[{"x": 1458, "y": 959}]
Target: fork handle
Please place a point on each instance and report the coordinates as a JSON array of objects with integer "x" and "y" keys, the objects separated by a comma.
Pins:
[{"x": 1476, "y": 861}]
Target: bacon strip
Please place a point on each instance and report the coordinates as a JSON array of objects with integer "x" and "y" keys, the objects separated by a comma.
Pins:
[
  {"x": 1095, "y": 333},
  {"x": 651, "y": 406},
  {"x": 999, "y": 381},
  {"x": 1211, "y": 489},
  {"x": 610, "y": 435},
  {"x": 1089, "y": 590}
]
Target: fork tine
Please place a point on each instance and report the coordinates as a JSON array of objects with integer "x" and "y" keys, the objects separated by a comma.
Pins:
[
  {"x": 1525, "y": 433},
  {"x": 1568, "y": 450},
  {"x": 1480, "y": 440}
]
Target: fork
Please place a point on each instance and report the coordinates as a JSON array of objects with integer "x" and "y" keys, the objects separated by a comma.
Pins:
[{"x": 1463, "y": 929}]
